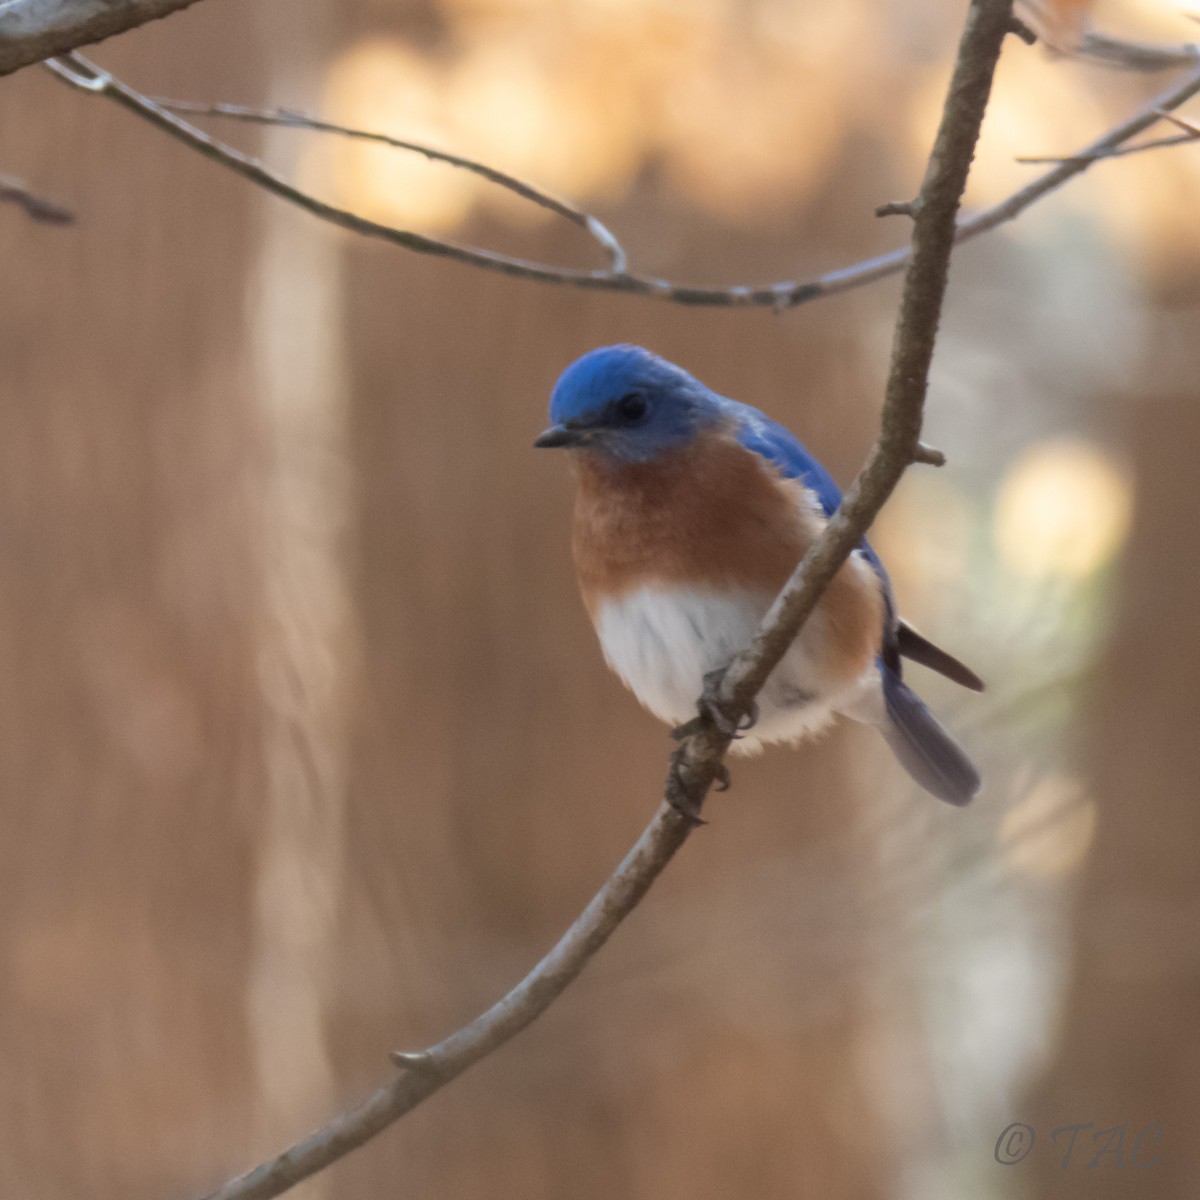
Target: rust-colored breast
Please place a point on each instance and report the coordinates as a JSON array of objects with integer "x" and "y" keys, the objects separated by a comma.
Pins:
[{"x": 712, "y": 514}]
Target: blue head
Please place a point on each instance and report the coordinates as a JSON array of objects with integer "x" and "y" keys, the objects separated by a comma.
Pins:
[{"x": 629, "y": 404}]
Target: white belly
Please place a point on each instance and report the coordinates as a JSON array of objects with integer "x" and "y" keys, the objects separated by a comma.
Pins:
[{"x": 663, "y": 641}]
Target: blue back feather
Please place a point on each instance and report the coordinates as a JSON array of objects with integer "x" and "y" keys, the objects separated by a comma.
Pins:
[{"x": 787, "y": 454}]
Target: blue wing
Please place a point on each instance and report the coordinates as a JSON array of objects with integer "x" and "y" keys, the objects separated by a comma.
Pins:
[
  {"x": 784, "y": 451},
  {"x": 787, "y": 454},
  {"x": 923, "y": 747}
]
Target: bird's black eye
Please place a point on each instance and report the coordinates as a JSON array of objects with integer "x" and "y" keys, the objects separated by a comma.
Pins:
[{"x": 631, "y": 408}]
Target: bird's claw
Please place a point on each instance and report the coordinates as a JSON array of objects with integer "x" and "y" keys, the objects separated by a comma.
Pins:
[
  {"x": 678, "y": 795},
  {"x": 681, "y": 798},
  {"x": 682, "y": 732},
  {"x": 712, "y": 707}
]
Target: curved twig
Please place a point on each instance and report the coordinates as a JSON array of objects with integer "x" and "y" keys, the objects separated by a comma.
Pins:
[
  {"x": 37, "y": 208},
  {"x": 1135, "y": 56},
  {"x": 77, "y": 71},
  {"x": 1190, "y": 135},
  {"x": 427, "y": 1071},
  {"x": 700, "y": 756},
  {"x": 286, "y": 118}
]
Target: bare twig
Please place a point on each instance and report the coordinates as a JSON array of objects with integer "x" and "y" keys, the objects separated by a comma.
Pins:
[
  {"x": 1190, "y": 127},
  {"x": 80, "y": 73},
  {"x": 1191, "y": 133},
  {"x": 1019, "y": 29},
  {"x": 1067, "y": 168},
  {"x": 37, "y": 208},
  {"x": 1135, "y": 56},
  {"x": 1178, "y": 139},
  {"x": 290, "y": 119},
  {"x": 700, "y": 756},
  {"x": 427, "y": 1071},
  {"x": 31, "y": 30},
  {"x": 931, "y": 456},
  {"x": 1066, "y": 32},
  {"x": 897, "y": 208}
]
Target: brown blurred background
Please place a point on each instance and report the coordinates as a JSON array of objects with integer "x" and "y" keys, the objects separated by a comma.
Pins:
[{"x": 306, "y": 748}]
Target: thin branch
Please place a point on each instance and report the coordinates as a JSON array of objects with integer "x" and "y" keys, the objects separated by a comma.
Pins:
[
  {"x": 1067, "y": 169},
  {"x": 1177, "y": 139},
  {"x": 37, "y": 208},
  {"x": 699, "y": 759},
  {"x": 291, "y": 119},
  {"x": 1190, "y": 127},
  {"x": 1067, "y": 34},
  {"x": 31, "y": 30},
  {"x": 80, "y": 73},
  {"x": 1019, "y": 29},
  {"x": 1191, "y": 133},
  {"x": 427, "y": 1071},
  {"x": 1135, "y": 56}
]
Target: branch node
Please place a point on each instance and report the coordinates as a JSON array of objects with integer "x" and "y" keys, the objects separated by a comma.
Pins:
[
  {"x": 95, "y": 81},
  {"x": 407, "y": 1060},
  {"x": 900, "y": 208},
  {"x": 929, "y": 455},
  {"x": 37, "y": 208},
  {"x": 1020, "y": 30},
  {"x": 784, "y": 297}
]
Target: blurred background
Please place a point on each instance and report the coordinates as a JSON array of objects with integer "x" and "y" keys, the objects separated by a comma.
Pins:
[{"x": 307, "y": 751}]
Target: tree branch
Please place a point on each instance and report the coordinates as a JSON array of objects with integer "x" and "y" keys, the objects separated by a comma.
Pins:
[
  {"x": 37, "y": 208},
  {"x": 31, "y": 30},
  {"x": 1190, "y": 134},
  {"x": 699, "y": 758},
  {"x": 290, "y": 119},
  {"x": 1135, "y": 56},
  {"x": 78, "y": 72}
]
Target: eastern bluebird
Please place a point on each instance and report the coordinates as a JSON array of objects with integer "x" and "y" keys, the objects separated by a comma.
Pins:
[{"x": 691, "y": 513}]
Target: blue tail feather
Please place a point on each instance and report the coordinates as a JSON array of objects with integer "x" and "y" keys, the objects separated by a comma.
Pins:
[{"x": 925, "y": 750}]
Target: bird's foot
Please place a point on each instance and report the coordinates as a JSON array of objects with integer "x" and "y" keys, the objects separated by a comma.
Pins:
[
  {"x": 713, "y": 708},
  {"x": 686, "y": 799}
]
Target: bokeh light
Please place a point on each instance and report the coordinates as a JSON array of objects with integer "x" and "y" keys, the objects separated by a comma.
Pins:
[
  {"x": 1063, "y": 510},
  {"x": 382, "y": 86}
]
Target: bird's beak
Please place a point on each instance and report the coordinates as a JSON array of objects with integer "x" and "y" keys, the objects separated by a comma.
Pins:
[{"x": 560, "y": 435}]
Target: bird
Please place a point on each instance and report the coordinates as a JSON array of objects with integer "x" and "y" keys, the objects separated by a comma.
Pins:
[{"x": 691, "y": 512}]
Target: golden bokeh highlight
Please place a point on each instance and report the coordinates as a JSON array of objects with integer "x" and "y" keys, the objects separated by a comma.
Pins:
[
  {"x": 1063, "y": 510},
  {"x": 518, "y": 104},
  {"x": 1048, "y": 833},
  {"x": 380, "y": 85},
  {"x": 580, "y": 100},
  {"x": 744, "y": 112}
]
